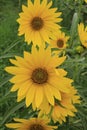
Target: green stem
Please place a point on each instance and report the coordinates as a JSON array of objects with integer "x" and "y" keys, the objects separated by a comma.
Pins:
[{"x": 67, "y": 123}]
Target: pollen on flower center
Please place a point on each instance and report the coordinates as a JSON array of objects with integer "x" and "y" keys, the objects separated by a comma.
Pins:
[
  {"x": 36, "y": 127},
  {"x": 39, "y": 76},
  {"x": 60, "y": 43},
  {"x": 37, "y": 23}
]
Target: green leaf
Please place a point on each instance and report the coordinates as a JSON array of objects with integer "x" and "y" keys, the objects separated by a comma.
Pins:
[
  {"x": 4, "y": 81},
  {"x": 12, "y": 45},
  {"x": 7, "y": 56},
  {"x": 6, "y": 96},
  {"x": 14, "y": 108}
]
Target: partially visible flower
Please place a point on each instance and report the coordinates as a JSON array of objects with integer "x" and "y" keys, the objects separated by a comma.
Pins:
[
  {"x": 30, "y": 124},
  {"x": 36, "y": 77},
  {"x": 62, "y": 108},
  {"x": 38, "y": 21},
  {"x": 60, "y": 40},
  {"x": 82, "y": 34},
  {"x": 86, "y": 1}
]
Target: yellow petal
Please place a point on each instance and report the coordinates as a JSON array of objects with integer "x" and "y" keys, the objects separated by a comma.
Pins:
[
  {"x": 15, "y": 87},
  {"x": 56, "y": 93},
  {"x": 61, "y": 72},
  {"x": 49, "y": 96},
  {"x": 39, "y": 96},
  {"x": 13, "y": 125},
  {"x": 30, "y": 95},
  {"x": 17, "y": 70},
  {"x": 24, "y": 89},
  {"x": 19, "y": 98},
  {"x": 19, "y": 78}
]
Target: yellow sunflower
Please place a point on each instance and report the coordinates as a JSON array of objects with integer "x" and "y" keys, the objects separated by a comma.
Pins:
[
  {"x": 30, "y": 124},
  {"x": 60, "y": 40},
  {"x": 82, "y": 34},
  {"x": 62, "y": 108},
  {"x": 38, "y": 21},
  {"x": 36, "y": 76},
  {"x": 86, "y": 1}
]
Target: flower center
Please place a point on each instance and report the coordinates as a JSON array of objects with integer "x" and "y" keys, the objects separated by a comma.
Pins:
[
  {"x": 36, "y": 127},
  {"x": 60, "y": 43},
  {"x": 39, "y": 76},
  {"x": 37, "y": 23}
]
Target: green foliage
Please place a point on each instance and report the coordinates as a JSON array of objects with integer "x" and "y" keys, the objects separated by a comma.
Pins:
[{"x": 76, "y": 63}]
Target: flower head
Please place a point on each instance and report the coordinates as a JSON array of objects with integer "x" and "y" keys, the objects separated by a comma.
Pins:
[
  {"x": 38, "y": 21},
  {"x": 30, "y": 124},
  {"x": 62, "y": 108},
  {"x": 60, "y": 40},
  {"x": 36, "y": 77},
  {"x": 82, "y": 34}
]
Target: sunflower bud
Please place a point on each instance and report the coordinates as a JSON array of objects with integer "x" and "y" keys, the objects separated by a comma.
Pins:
[{"x": 79, "y": 49}]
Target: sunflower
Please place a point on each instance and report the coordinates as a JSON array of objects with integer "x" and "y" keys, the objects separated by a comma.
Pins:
[
  {"x": 86, "y": 1},
  {"x": 60, "y": 40},
  {"x": 62, "y": 108},
  {"x": 66, "y": 106},
  {"x": 82, "y": 34},
  {"x": 30, "y": 124},
  {"x": 38, "y": 21},
  {"x": 36, "y": 76}
]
